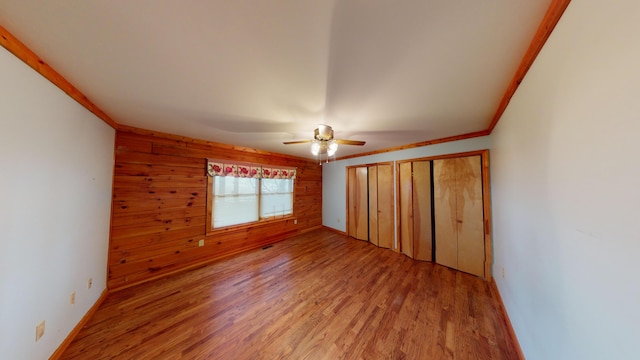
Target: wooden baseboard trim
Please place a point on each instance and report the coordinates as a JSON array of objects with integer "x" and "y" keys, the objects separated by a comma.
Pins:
[
  {"x": 304, "y": 231},
  {"x": 207, "y": 261},
  {"x": 181, "y": 269},
  {"x": 185, "y": 268},
  {"x": 67, "y": 341},
  {"x": 335, "y": 230},
  {"x": 505, "y": 316}
]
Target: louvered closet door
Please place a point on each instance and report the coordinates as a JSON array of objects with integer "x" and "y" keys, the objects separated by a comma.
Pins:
[{"x": 458, "y": 214}]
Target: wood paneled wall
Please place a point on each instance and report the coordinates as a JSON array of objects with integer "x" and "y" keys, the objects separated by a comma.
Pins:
[{"x": 159, "y": 205}]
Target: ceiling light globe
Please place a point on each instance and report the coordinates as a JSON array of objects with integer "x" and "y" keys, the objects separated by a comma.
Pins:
[
  {"x": 333, "y": 147},
  {"x": 315, "y": 148}
]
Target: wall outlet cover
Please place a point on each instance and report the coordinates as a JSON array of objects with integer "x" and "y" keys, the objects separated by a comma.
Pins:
[{"x": 39, "y": 330}]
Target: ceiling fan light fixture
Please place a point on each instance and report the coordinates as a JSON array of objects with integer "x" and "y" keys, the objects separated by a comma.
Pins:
[
  {"x": 333, "y": 147},
  {"x": 324, "y": 132},
  {"x": 315, "y": 147},
  {"x": 323, "y": 145}
]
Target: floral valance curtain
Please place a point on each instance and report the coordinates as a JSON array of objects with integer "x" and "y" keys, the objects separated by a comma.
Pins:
[{"x": 221, "y": 168}]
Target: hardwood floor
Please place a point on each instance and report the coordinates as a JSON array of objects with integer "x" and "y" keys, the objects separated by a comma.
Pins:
[{"x": 320, "y": 295}]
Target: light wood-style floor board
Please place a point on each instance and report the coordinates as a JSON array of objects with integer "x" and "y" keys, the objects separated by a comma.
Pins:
[{"x": 320, "y": 295}]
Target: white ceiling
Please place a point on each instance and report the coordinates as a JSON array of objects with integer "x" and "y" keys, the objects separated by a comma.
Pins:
[{"x": 257, "y": 73}]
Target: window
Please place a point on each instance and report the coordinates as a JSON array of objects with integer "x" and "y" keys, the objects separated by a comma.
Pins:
[
  {"x": 245, "y": 193},
  {"x": 276, "y": 197},
  {"x": 235, "y": 200}
]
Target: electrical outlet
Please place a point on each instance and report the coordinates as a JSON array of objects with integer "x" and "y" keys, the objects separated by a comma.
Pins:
[
  {"x": 89, "y": 283},
  {"x": 503, "y": 273},
  {"x": 72, "y": 298},
  {"x": 201, "y": 242},
  {"x": 39, "y": 330}
]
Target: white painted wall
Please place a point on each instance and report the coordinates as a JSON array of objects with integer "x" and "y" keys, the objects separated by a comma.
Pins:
[
  {"x": 56, "y": 166},
  {"x": 334, "y": 174},
  {"x": 566, "y": 190}
]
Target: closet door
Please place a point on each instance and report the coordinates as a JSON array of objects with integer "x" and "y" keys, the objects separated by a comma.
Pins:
[
  {"x": 381, "y": 205},
  {"x": 373, "y": 205},
  {"x": 444, "y": 201},
  {"x": 358, "y": 206},
  {"x": 405, "y": 196},
  {"x": 458, "y": 214},
  {"x": 385, "y": 205},
  {"x": 415, "y": 209},
  {"x": 469, "y": 207},
  {"x": 421, "y": 198}
]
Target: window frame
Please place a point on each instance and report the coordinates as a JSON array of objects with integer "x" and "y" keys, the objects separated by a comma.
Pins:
[{"x": 276, "y": 218}]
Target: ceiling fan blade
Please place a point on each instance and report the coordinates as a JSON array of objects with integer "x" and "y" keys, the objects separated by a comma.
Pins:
[
  {"x": 297, "y": 142},
  {"x": 350, "y": 142}
]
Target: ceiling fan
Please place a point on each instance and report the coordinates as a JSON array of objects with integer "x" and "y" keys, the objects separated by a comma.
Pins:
[{"x": 323, "y": 141}]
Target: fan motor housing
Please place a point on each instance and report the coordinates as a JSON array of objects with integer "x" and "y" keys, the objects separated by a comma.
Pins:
[{"x": 323, "y": 132}]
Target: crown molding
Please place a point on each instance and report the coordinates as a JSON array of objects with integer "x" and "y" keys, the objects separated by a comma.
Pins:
[
  {"x": 22, "y": 52},
  {"x": 551, "y": 18}
]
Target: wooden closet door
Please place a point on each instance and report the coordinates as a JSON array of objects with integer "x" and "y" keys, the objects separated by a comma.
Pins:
[
  {"x": 444, "y": 201},
  {"x": 405, "y": 192},
  {"x": 373, "y": 205},
  {"x": 385, "y": 205},
  {"x": 351, "y": 201},
  {"x": 358, "y": 203},
  {"x": 459, "y": 214},
  {"x": 421, "y": 199},
  {"x": 469, "y": 208}
]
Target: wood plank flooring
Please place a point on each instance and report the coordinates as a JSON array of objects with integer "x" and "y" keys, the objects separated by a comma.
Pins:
[{"x": 320, "y": 295}]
